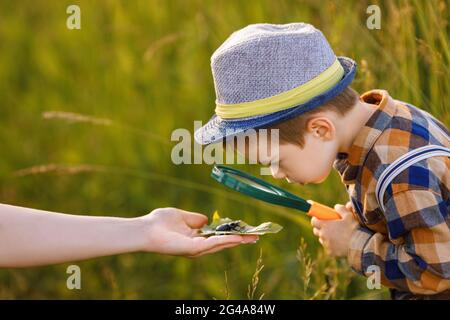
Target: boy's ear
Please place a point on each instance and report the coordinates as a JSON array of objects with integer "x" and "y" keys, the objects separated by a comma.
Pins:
[{"x": 321, "y": 127}]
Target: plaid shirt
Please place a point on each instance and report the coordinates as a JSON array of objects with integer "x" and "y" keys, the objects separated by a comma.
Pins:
[{"x": 410, "y": 241}]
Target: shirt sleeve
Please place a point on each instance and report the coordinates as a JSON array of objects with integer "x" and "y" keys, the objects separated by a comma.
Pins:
[{"x": 415, "y": 255}]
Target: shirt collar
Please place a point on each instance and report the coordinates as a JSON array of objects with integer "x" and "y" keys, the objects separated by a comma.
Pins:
[{"x": 349, "y": 164}]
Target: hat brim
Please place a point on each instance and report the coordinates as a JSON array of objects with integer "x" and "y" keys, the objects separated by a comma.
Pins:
[{"x": 217, "y": 128}]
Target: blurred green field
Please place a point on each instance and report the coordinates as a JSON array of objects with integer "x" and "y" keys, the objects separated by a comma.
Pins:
[{"x": 144, "y": 65}]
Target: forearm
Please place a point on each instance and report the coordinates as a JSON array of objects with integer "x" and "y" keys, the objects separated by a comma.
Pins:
[{"x": 31, "y": 237}]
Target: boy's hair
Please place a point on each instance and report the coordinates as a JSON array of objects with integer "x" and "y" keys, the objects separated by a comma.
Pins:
[{"x": 293, "y": 130}]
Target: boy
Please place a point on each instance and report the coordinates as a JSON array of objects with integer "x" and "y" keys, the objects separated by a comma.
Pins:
[{"x": 287, "y": 77}]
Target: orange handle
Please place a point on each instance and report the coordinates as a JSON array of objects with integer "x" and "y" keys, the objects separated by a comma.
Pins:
[{"x": 322, "y": 212}]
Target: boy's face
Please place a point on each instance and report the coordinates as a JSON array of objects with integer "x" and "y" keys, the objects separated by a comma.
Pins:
[{"x": 311, "y": 163}]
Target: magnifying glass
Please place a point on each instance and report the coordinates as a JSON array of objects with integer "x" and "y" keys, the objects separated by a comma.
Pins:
[{"x": 262, "y": 190}]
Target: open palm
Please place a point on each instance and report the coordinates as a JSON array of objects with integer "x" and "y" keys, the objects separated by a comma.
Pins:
[{"x": 175, "y": 232}]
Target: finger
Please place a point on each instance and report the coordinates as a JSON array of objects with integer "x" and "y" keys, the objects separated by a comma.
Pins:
[
  {"x": 316, "y": 223},
  {"x": 342, "y": 210},
  {"x": 316, "y": 232},
  {"x": 212, "y": 243},
  {"x": 193, "y": 219},
  {"x": 324, "y": 244},
  {"x": 249, "y": 238},
  {"x": 349, "y": 205},
  {"x": 215, "y": 241},
  {"x": 202, "y": 244},
  {"x": 215, "y": 249}
]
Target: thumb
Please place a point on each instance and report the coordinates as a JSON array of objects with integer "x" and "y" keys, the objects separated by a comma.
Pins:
[
  {"x": 193, "y": 219},
  {"x": 342, "y": 210}
]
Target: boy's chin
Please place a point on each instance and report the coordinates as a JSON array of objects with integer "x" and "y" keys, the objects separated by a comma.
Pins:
[
  {"x": 313, "y": 181},
  {"x": 319, "y": 180}
]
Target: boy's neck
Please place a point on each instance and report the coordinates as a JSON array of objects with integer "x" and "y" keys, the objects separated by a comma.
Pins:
[{"x": 351, "y": 125}]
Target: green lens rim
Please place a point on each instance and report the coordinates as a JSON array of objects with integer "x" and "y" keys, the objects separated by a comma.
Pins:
[{"x": 224, "y": 175}]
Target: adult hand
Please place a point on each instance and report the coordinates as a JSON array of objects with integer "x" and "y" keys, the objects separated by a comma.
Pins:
[{"x": 174, "y": 231}]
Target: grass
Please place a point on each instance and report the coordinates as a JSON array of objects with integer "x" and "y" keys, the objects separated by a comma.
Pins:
[
  {"x": 253, "y": 286},
  {"x": 87, "y": 117}
]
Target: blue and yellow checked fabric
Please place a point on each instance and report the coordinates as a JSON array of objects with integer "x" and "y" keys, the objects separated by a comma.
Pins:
[{"x": 410, "y": 240}]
